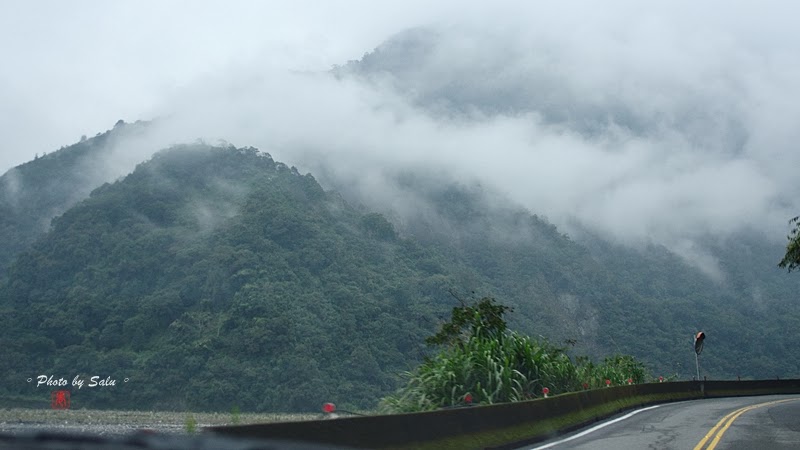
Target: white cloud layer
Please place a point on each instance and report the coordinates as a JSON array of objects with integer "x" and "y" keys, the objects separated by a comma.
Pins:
[{"x": 645, "y": 122}]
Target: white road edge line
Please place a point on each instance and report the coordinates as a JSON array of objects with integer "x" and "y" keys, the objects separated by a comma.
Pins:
[{"x": 593, "y": 429}]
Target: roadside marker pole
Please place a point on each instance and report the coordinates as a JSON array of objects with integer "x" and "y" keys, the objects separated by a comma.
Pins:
[
  {"x": 699, "y": 339},
  {"x": 697, "y": 364}
]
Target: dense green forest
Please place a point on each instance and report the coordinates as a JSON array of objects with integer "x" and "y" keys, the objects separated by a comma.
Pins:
[
  {"x": 213, "y": 277},
  {"x": 612, "y": 298},
  {"x": 33, "y": 193}
]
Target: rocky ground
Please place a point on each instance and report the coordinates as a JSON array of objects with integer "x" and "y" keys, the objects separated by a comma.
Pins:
[{"x": 20, "y": 420}]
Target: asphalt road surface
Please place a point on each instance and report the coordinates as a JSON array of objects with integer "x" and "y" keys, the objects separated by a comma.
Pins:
[{"x": 743, "y": 423}]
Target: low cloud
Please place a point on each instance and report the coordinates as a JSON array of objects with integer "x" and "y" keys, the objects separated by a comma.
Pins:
[{"x": 647, "y": 124}]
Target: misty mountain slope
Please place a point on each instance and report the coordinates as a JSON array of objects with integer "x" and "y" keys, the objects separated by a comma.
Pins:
[
  {"x": 673, "y": 166},
  {"x": 33, "y": 193},
  {"x": 213, "y": 277},
  {"x": 521, "y": 258},
  {"x": 219, "y": 262},
  {"x": 500, "y": 250},
  {"x": 751, "y": 310},
  {"x": 467, "y": 72},
  {"x": 610, "y": 297},
  {"x": 451, "y": 72},
  {"x": 638, "y": 153}
]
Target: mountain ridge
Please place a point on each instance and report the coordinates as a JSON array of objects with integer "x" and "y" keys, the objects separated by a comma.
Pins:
[
  {"x": 33, "y": 193},
  {"x": 219, "y": 261}
]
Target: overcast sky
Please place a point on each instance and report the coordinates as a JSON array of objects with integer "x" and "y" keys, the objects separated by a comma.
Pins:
[
  {"x": 647, "y": 121},
  {"x": 72, "y": 68}
]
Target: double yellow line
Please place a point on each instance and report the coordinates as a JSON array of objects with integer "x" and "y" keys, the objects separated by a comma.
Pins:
[{"x": 722, "y": 426}]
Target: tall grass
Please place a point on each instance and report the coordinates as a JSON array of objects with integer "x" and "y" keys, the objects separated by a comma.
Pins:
[
  {"x": 190, "y": 424},
  {"x": 505, "y": 367}
]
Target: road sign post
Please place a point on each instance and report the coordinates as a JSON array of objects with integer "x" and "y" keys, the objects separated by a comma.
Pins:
[
  {"x": 699, "y": 338},
  {"x": 697, "y": 364}
]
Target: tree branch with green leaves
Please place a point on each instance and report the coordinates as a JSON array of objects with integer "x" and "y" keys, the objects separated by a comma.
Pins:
[{"x": 791, "y": 260}]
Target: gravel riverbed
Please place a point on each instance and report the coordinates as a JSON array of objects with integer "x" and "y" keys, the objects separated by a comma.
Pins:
[{"x": 101, "y": 422}]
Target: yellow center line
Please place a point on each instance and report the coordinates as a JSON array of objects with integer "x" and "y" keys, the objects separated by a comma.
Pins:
[{"x": 722, "y": 426}]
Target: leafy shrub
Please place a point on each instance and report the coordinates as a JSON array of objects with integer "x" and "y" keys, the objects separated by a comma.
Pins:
[{"x": 484, "y": 363}]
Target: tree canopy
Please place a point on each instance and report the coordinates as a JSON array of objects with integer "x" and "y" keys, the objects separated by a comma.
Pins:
[
  {"x": 212, "y": 277},
  {"x": 791, "y": 260}
]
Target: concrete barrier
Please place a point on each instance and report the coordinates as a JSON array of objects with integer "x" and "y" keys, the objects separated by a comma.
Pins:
[{"x": 503, "y": 425}]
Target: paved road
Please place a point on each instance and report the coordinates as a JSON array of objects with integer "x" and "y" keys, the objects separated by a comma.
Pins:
[{"x": 744, "y": 423}]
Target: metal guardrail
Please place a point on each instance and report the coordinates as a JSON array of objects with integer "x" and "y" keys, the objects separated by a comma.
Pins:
[{"x": 502, "y": 425}]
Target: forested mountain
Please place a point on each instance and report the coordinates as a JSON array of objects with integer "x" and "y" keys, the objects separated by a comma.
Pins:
[
  {"x": 212, "y": 277},
  {"x": 643, "y": 297},
  {"x": 33, "y": 193},
  {"x": 610, "y": 297},
  {"x": 752, "y": 311}
]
